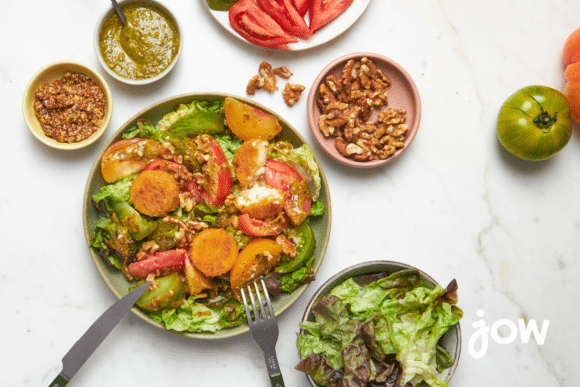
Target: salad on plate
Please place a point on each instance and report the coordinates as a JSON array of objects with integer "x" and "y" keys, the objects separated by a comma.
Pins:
[{"x": 204, "y": 202}]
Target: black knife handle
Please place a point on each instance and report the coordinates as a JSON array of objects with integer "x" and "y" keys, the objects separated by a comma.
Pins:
[{"x": 59, "y": 381}]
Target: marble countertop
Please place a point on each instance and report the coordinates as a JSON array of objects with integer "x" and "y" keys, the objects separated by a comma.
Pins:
[{"x": 455, "y": 205}]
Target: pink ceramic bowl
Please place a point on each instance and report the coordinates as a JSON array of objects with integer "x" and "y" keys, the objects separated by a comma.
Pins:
[{"x": 402, "y": 95}]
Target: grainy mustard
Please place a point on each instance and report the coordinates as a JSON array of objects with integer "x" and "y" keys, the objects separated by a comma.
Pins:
[{"x": 71, "y": 108}]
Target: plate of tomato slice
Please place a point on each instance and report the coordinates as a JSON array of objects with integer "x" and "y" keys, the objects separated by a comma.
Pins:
[{"x": 291, "y": 25}]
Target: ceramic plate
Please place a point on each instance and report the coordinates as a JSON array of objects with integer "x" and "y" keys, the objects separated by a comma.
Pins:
[
  {"x": 402, "y": 94},
  {"x": 117, "y": 281},
  {"x": 324, "y": 35},
  {"x": 451, "y": 340}
]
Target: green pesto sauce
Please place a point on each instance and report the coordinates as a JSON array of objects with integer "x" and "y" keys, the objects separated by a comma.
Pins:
[{"x": 144, "y": 47}]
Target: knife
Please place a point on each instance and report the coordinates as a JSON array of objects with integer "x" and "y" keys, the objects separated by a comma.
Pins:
[{"x": 84, "y": 348}]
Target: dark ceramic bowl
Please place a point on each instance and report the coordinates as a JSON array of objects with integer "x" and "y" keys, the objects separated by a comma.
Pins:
[
  {"x": 117, "y": 281},
  {"x": 451, "y": 341}
]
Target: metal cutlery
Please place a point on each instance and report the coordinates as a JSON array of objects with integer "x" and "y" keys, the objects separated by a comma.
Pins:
[
  {"x": 264, "y": 328},
  {"x": 94, "y": 336}
]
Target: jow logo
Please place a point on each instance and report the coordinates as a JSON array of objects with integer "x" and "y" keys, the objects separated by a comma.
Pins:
[{"x": 525, "y": 331}]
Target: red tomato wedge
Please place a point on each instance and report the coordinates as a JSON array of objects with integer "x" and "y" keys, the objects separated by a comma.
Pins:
[
  {"x": 218, "y": 179},
  {"x": 279, "y": 175},
  {"x": 323, "y": 12},
  {"x": 162, "y": 165},
  {"x": 163, "y": 262},
  {"x": 286, "y": 15},
  {"x": 301, "y": 6},
  {"x": 259, "y": 227},
  {"x": 256, "y": 26},
  {"x": 298, "y": 199}
]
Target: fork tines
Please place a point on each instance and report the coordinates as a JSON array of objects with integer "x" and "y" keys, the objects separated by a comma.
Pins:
[{"x": 260, "y": 312}]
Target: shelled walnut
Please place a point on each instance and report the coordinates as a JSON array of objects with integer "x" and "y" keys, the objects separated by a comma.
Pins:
[
  {"x": 347, "y": 104},
  {"x": 266, "y": 80}
]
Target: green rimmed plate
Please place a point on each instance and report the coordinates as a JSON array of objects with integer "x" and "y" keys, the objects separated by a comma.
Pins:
[{"x": 117, "y": 281}]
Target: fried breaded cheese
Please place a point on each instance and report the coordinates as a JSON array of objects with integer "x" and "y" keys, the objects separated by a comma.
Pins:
[{"x": 155, "y": 193}]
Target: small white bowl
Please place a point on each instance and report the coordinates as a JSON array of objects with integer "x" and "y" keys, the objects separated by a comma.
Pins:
[{"x": 113, "y": 74}]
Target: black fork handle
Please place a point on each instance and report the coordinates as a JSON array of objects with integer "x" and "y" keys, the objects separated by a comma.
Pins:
[{"x": 273, "y": 368}]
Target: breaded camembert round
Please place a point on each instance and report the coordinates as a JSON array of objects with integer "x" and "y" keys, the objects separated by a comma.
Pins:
[
  {"x": 155, "y": 193},
  {"x": 260, "y": 202},
  {"x": 213, "y": 251},
  {"x": 249, "y": 161}
]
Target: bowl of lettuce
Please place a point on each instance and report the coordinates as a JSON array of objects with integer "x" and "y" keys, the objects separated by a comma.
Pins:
[
  {"x": 185, "y": 113},
  {"x": 381, "y": 323}
]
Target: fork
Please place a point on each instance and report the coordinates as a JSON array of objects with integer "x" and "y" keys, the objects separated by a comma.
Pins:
[{"x": 264, "y": 329}]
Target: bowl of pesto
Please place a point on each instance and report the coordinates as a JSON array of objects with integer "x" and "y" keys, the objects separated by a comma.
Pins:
[{"x": 145, "y": 48}]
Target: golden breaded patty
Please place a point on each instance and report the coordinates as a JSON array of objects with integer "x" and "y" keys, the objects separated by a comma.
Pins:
[
  {"x": 155, "y": 193},
  {"x": 213, "y": 252},
  {"x": 249, "y": 161}
]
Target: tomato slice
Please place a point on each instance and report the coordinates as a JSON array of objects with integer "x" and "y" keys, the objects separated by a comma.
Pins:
[
  {"x": 126, "y": 157},
  {"x": 256, "y": 26},
  {"x": 163, "y": 262},
  {"x": 218, "y": 179},
  {"x": 286, "y": 15},
  {"x": 279, "y": 175},
  {"x": 298, "y": 197},
  {"x": 162, "y": 165},
  {"x": 259, "y": 227},
  {"x": 301, "y": 6},
  {"x": 323, "y": 12}
]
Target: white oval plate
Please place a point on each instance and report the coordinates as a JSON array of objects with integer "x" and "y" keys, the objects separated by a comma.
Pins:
[{"x": 334, "y": 29}]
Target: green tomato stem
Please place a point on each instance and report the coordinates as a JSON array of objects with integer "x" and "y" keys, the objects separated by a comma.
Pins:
[{"x": 545, "y": 121}]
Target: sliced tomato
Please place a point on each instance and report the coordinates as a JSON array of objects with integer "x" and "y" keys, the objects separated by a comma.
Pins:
[
  {"x": 126, "y": 157},
  {"x": 298, "y": 196},
  {"x": 301, "y": 6},
  {"x": 256, "y": 26},
  {"x": 218, "y": 178},
  {"x": 286, "y": 15},
  {"x": 195, "y": 190},
  {"x": 279, "y": 175},
  {"x": 162, "y": 165},
  {"x": 162, "y": 263},
  {"x": 323, "y": 12},
  {"x": 259, "y": 227}
]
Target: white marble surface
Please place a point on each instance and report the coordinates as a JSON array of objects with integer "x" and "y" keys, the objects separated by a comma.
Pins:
[{"x": 455, "y": 205}]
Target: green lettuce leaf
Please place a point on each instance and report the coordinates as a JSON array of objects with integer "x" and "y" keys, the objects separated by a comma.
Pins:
[
  {"x": 197, "y": 117},
  {"x": 119, "y": 191}
]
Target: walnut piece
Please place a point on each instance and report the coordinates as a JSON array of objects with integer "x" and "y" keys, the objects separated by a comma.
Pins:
[
  {"x": 266, "y": 79},
  {"x": 292, "y": 93},
  {"x": 346, "y": 106}
]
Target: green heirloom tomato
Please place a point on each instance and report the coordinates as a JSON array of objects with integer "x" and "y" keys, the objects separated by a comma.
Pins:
[
  {"x": 170, "y": 290},
  {"x": 306, "y": 246},
  {"x": 535, "y": 122}
]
